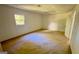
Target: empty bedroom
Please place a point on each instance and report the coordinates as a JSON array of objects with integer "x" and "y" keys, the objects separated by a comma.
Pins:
[{"x": 39, "y": 28}]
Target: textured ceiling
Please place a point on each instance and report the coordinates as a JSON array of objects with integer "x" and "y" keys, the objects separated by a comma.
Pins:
[{"x": 48, "y": 8}]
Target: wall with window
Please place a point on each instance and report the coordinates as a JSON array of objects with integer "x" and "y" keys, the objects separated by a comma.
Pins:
[
  {"x": 12, "y": 27},
  {"x": 56, "y": 22}
]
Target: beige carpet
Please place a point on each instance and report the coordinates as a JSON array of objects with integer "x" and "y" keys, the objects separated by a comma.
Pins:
[{"x": 41, "y": 42}]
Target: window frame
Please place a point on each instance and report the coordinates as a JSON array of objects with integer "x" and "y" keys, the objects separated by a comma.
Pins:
[{"x": 19, "y": 21}]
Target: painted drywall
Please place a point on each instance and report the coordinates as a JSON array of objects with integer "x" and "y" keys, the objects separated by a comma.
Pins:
[
  {"x": 74, "y": 42},
  {"x": 56, "y": 22},
  {"x": 69, "y": 25},
  {"x": 73, "y": 29},
  {"x": 8, "y": 28},
  {"x": 45, "y": 21}
]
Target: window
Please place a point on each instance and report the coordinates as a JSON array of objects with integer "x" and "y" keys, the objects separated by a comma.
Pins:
[
  {"x": 19, "y": 19},
  {"x": 53, "y": 26}
]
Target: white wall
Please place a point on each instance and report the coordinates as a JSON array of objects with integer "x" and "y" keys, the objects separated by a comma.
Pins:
[
  {"x": 9, "y": 29},
  {"x": 74, "y": 42},
  {"x": 55, "y": 22},
  {"x": 73, "y": 29},
  {"x": 45, "y": 21},
  {"x": 69, "y": 25}
]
